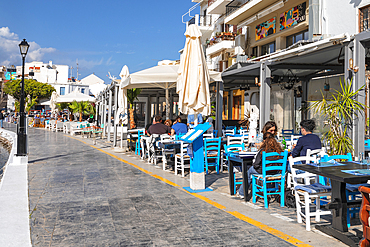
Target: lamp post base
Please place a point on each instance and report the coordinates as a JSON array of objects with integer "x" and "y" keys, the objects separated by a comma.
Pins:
[{"x": 20, "y": 160}]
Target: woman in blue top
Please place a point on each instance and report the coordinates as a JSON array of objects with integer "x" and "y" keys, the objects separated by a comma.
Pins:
[{"x": 178, "y": 127}]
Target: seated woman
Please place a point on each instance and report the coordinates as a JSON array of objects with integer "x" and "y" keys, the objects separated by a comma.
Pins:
[
  {"x": 270, "y": 127},
  {"x": 269, "y": 145}
]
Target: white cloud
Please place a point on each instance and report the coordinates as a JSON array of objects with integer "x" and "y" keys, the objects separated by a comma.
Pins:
[{"x": 9, "y": 49}]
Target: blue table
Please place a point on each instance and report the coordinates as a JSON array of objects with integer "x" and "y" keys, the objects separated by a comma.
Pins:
[
  {"x": 245, "y": 161},
  {"x": 338, "y": 228}
]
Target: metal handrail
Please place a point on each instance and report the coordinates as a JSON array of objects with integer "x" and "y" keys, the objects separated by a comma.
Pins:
[
  {"x": 204, "y": 20},
  {"x": 235, "y": 5}
]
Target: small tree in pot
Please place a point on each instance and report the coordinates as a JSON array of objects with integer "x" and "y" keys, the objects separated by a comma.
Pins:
[{"x": 339, "y": 112}]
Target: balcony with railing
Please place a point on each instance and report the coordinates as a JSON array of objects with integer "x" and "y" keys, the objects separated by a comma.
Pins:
[
  {"x": 202, "y": 20},
  {"x": 222, "y": 41},
  {"x": 235, "y": 5},
  {"x": 217, "y": 6}
]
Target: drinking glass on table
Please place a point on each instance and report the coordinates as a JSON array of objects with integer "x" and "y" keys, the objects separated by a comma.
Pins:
[
  {"x": 368, "y": 162},
  {"x": 361, "y": 158}
]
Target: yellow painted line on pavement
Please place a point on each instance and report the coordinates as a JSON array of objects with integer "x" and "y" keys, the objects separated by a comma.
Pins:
[
  {"x": 268, "y": 229},
  {"x": 217, "y": 205},
  {"x": 236, "y": 214}
]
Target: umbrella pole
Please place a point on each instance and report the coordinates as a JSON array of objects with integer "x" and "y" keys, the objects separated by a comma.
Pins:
[{"x": 167, "y": 103}]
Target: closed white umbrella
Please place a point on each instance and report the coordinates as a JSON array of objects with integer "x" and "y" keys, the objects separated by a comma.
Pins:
[
  {"x": 193, "y": 89},
  {"x": 53, "y": 107},
  {"x": 193, "y": 76},
  {"x": 122, "y": 98}
]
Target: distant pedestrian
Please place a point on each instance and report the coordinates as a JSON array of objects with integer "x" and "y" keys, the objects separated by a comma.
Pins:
[{"x": 2, "y": 118}]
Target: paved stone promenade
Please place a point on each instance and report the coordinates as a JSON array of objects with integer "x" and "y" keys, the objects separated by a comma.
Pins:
[{"x": 81, "y": 196}]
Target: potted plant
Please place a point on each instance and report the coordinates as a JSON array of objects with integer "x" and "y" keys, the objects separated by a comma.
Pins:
[
  {"x": 338, "y": 112},
  {"x": 131, "y": 97}
]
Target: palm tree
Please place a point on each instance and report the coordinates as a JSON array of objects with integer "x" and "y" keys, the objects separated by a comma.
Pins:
[
  {"x": 338, "y": 112},
  {"x": 82, "y": 108},
  {"x": 131, "y": 96},
  {"x": 62, "y": 106}
]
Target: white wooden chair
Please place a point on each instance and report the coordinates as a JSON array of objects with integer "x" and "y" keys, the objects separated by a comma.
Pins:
[
  {"x": 66, "y": 127},
  {"x": 317, "y": 153},
  {"x": 181, "y": 158},
  {"x": 306, "y": 193},
  {"x": 166, "y": 151},
  {"x": 154, "y": 151},
  {"x": 245, "y": 134},
  {"x": 234, "y": 140},
  {"x": 293, "y": 141},
  {"x": 207, "y": 135},
  {"x": 229, "y": 132},
  {"x": 58, "y": 126},
  {"x": 51, "y": 124}
]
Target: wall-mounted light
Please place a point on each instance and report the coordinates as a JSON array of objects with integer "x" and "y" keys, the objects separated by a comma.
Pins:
[
  {"x": 256, "y": 81},
  {"x": 351, "y": 67}
]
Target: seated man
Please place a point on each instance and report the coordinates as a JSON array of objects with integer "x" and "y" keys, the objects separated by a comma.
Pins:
[
  {"x": 178, "y": 127},
  {"x": 308, "y": 140},
  {"x": 158, "y": 127}
]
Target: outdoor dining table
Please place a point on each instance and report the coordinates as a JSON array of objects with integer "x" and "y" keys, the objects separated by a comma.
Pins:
[
  {"x": 340, "y": 173},
  {"x": 245, "y": 160}
]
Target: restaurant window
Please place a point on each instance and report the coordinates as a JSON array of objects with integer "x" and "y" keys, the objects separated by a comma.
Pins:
[
  {"x": 292, "y": 39},
  {"x": 225, "y": 109},
  {"x": 268, "y": 48},
  {"x": 237, "y": 107},
  {"x": 82, "y": 90},
  {"x": 62, "y": 91},
  {"x": 254, "y": 52},
  {"x": 364, "y": 18}
]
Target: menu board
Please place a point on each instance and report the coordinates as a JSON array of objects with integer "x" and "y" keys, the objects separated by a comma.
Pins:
[
  {"x": 195, "y": 133},
  {"x": 187, "y": 134}
]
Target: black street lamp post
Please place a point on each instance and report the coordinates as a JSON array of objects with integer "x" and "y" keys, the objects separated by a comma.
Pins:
[{"x": 22, "y": 136}]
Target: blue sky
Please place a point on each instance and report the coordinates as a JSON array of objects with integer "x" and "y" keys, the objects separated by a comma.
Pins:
[{"x": 102, "y": 35}]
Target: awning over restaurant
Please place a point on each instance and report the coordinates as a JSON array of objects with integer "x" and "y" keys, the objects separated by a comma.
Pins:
[{"x": 326, "y": 57}]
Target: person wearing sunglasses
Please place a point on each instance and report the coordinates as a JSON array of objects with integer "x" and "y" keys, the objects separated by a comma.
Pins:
[{"x": 269, "y": 127}]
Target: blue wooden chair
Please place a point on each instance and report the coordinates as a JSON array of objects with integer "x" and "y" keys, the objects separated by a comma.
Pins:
[
  {"x": 352, "y": 191},
  {"x": 228, "y": 150},
  {"x": 367, "y": 145},
  {"x": 178, "y": 136},
  {"x": 287, "y": 132},
  {"x": 264, "y": 184},
  {"x": 215, "y": 133},
  {"x": 212, "y": 150},
  {"x": 230, "y": 130},
  {"x": 137, "y": 145}
]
